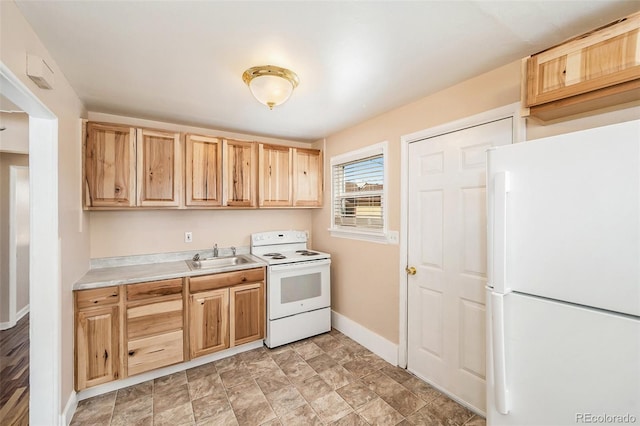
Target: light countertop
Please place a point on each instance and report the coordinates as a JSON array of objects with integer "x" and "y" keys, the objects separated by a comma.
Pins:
[{"x": 113, "y": 271}]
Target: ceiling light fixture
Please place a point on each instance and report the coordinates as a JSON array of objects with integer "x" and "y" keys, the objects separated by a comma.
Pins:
[{"x": 270, "y": 85}]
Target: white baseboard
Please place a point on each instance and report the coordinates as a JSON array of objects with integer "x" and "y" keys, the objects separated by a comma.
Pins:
[
  {"x": 10, "y": 324},
  {"x": 69, "y": 409},
  {"x": 374, "y": 342},
  {"x": 21, "y": 313}
]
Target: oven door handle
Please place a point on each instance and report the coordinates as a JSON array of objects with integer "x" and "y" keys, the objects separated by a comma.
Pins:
[{"x": 300, "y": 265}]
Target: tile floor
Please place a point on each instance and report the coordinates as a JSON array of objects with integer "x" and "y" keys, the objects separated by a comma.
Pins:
[{"x": 326, "y": 379}]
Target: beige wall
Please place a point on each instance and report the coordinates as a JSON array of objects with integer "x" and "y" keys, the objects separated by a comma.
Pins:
[
  {"x": 16, "y": 136},
  {"x": 365, "y": 275},
  {"x": 7, "y": 160},
  {"x": 18, "y": 39},
  {"x": 121, "y": 233}
]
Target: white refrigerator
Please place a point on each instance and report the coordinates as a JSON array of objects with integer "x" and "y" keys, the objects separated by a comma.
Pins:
[{"x": 563, "y": 292}]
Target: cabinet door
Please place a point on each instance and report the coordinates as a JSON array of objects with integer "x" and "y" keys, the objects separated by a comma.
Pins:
[
  {"x": 239, "y": 159},
  {"x": 307, "y": 175},
  {"x": 274, "y": 176},
  {"x": 203, "y": 170},
  {"x": 159, "y": 169},
  {"x": 247, "y": 312},
  {"x": 598, "y": 60},
  {"x": 97, "y": 346},
  {"x": 109, "y": 166},
  {"x": 208, "y": 322}
]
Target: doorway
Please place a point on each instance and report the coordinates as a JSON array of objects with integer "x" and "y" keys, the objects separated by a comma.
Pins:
[
  {"x": 44, "y": 253},
  {"x": 445, "y": 254},
  {"x": 18, "y": 243}
]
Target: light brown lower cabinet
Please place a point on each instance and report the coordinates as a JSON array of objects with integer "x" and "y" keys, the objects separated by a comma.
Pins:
[
  {"x": 154, "y": 334},
  {"x": 154, "y": 325},
  {"x": 97, "y": 356},
  {"x": 226, "y": 310},
  {"x": 247, "y": 312},
  {"x": 208, "y": 322},
  {"x": 126, "y": 330}
]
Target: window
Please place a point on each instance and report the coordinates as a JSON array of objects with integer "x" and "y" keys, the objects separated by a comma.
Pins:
[{"x": 358, "y": 188}]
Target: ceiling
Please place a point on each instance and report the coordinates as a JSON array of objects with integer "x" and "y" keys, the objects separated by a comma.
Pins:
[{"x": 182, "y": 61}]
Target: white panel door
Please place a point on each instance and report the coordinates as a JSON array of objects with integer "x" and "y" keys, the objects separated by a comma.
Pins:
[{"x": 447, "y": 246}]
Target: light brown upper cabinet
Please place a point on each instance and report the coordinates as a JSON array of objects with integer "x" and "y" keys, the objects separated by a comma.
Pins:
[
  {"x": 109, "y": 166},
  {"x": 595, "y": 70},
  {"x": 159, "y": 168},
  {"x": 275, "y": 174},
  {"x": 307, "y": 177},
  {"x": 239, "y": 173},
  {"x": 128, "y": 167},
  {"x": 203, "y": 171}
]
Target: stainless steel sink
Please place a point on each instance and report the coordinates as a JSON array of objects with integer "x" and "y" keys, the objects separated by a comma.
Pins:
[{"x": 218, "y": 262}]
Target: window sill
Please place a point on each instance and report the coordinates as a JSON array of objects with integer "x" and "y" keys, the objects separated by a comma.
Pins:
[{"x": 375, "y": 237}]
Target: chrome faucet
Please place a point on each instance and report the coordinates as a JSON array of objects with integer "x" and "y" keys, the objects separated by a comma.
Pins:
[
  {"x": 233, "y": 250},
  {"x": 215, "y": 250}
]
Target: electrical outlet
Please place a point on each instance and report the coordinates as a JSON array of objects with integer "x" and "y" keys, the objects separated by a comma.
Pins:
[
  {"x": 188, "y": 237},
  {"x": 393, "y": 237}
]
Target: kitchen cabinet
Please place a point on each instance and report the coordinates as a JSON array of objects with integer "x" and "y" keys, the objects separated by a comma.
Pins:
[
  {"x": 154, "y": 325},
  {"x": 126, "y": 167},
  {"x": 158, "y": 168},
  {"x": 247, "y": 313},
  {"x": 307, "y": 177},
  {"x": 203, "y": 171},
  {"x": 239, "y": 173},
  {"x": 275, "y": 176},
  {"x": 209, "y": 322},
  {"x": 226, "y": 309},
  {"x": 594, "y": 70},
  {"x": 109, "y": 166},
  {"x": 97, "y": 337}
]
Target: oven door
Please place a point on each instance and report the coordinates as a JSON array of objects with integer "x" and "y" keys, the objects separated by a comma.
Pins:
[{"x": 293, "y": 288}]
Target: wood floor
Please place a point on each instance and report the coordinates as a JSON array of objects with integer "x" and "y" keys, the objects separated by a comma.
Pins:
[{"x": 14, "y": 374}]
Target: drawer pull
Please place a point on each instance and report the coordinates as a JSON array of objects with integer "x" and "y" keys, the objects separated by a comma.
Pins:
[{"x": 131, "y": 353}]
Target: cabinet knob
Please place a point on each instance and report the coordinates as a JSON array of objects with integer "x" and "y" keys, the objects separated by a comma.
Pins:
[{"x": 131, "y": 353}]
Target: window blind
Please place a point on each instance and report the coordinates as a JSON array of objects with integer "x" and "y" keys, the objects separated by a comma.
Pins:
[{"x": 358, "y": 200}]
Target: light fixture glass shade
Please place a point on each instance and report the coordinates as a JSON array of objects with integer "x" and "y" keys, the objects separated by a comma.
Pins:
[{"x": 270, "y": 85}]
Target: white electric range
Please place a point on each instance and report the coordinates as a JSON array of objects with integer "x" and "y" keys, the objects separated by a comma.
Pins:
[{"x": 298, "y": 286}]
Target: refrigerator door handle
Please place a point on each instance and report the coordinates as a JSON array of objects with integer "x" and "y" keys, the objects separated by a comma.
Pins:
[
  {"x": 499, "y": 362},
  {"x": 498, "y": 267}
]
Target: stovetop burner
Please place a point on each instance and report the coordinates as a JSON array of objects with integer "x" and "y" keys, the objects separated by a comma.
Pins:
[
  {"x": 276, "y": 256},
  {"x": 306, "y": 252}
]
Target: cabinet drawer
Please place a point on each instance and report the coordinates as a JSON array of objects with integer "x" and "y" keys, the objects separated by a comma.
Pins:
[
  {"x": 154, "y": 352},
  {"x": 97, "y": 297},
  {"x": 227, "y": 279},
  {"x": 154, "y": 318},
  {"x": 154, "y": 289}
]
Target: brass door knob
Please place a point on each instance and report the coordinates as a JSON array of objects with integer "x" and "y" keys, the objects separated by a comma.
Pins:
[{"x": 410, "y": 270}]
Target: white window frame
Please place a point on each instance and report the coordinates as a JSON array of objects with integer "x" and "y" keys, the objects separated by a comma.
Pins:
[{"x": 380, "y": 235}]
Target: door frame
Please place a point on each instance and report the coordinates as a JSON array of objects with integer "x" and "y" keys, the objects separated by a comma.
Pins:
[
  {"x": 519, "y": 130},
  {"x": 44, "y": 254}
]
